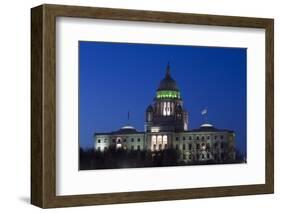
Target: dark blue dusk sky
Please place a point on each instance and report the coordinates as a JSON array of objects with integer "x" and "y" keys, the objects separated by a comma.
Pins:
[{"x": 115, "y": 78}]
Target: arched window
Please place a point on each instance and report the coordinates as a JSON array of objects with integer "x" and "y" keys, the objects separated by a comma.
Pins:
[
  {"x": 153, "y": 139},
  {"x": 164, "y": 109},
  {"x": 168, "y": 108},
  {"x": 159, "y": 139},
  {"x": 165, "y": 139}
]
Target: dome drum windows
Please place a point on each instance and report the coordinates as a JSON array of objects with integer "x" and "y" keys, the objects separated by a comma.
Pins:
[
  {"x": 168, "y": 94},
  {"x": 167, "y": 108}
]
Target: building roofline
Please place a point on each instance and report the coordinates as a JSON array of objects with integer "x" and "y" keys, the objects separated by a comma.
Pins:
[{"x": 116, "y": 133}]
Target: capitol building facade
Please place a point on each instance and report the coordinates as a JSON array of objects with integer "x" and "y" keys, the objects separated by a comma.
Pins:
[{"x": 167, "y": 127}]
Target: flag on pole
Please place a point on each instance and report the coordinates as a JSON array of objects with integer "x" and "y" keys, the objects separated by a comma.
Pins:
[{"x": 204, "y": 111}]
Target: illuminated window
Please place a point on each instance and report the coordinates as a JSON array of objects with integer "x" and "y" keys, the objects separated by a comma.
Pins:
[
  {"x": 203, "y": 146},
  {"x": 165, "y": 139},
  {"x": 168, "y": 109},
  {"x": 159, "y": 139},
  {"x": 164, "y": 109},
  {"x": 153, "y": 139}
]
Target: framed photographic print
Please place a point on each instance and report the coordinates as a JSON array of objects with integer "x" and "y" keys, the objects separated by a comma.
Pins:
[{"x": 135, "y": 106}]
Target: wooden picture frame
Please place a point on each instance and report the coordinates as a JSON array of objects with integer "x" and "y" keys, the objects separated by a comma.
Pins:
[{"x": 43, "y": 105}]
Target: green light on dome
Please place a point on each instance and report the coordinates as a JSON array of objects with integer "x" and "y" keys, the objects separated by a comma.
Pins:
[{"x": 168, "y": 94}]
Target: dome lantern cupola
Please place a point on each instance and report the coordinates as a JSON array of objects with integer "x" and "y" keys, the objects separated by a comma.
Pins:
[{"x": 168, "y": 88}]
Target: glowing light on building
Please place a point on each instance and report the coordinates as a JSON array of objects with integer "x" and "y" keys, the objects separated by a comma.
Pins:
[
  {"x": 165, "y": 94},
  {"x": 155, "y": 129}
]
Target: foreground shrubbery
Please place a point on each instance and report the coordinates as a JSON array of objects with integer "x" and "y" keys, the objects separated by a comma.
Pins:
[
  {"x": 112, "y": 158},
  {"x": 119, "y": 158}
]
